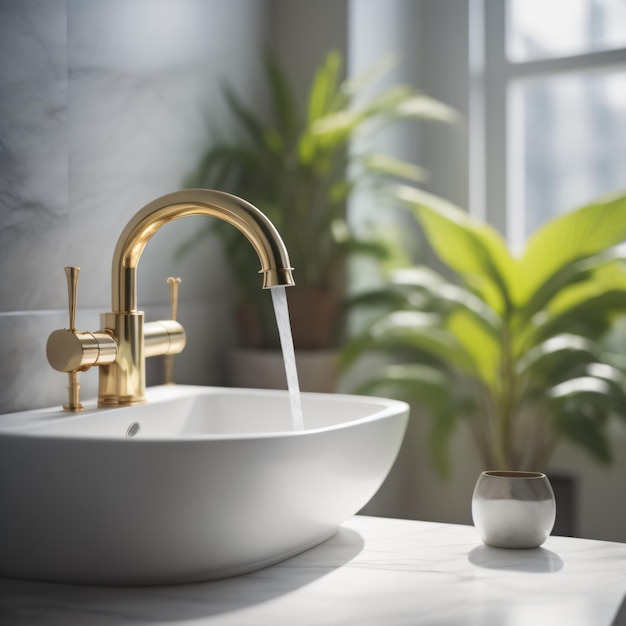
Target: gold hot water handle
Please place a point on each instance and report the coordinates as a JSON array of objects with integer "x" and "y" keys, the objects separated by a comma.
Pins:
[{"x": 72, "y": 351}]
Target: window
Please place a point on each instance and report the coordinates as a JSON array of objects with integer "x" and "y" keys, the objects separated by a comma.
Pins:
[
  {"x": 554, "y": 108},
  {"x": 542, "y": 29}
]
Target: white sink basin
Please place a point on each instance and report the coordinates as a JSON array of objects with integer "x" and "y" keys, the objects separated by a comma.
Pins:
[{"x": 214, "y": 483}]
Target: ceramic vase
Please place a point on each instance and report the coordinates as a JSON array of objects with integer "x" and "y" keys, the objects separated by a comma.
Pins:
[{"x": 513, "y": 509}]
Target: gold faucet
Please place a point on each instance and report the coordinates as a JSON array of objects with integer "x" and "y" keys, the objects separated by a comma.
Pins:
[
  {"x": 121, "y": 348},
  {"x": 168, "y": 359}
]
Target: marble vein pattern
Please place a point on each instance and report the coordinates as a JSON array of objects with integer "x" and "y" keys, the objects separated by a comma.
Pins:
[
  {"x": 33, "y": 144},
  {"x": 374, "y": 571},
  {"x": 104, "y": 106}
]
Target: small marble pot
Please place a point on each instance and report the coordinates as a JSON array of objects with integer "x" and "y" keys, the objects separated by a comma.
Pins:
[{"x": 513, "y": 509}]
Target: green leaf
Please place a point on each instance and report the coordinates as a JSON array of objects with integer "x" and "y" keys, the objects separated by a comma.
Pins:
[
  {"x": 386, "y": 297},
  {"x": 324, "y": 88},
  {"x": 609, "y": 277},
  {"x": 448, "y": 296},
  {"x": 389, "y": 166},
  {"x": 475, "y": 329},
  {"x": 473, "y": 249},
  {"x": 593, "y": 313},
  {"x": 284, "y": 105},
  {"x": 252, "y": 125},
  {"x": 424, "y": 107},
  {"x": 557, "y": 354},
  {"x": 570, "y": 274},
  {"x": 336, "y": 128},
  {"x": 482, "y": 345},
  {"x": 353, "y": 85},
  {"x": 373, "y": 248},
  {"x": 402, "y": 102},
  {"x": 567, "y": 238},
  {"x": 600, "y": 392},
  {"x": 420, "y": 382},
  {"x": 610, "y": 373},
  {"x": 411, "y": 329},
  {"x": 581, "y": 408},
  {"x": 587, "y": 432},
  {"x": 307, "y": 149},
  {"x": 388, "y": 100}
]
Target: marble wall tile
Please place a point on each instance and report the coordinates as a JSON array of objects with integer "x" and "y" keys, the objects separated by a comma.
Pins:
[
  {"x": 104, "y": 106},
  {"x": 33, "y": 145},
  {"x": 28, "y": 381},
  {"x": 139, "y": 94}
]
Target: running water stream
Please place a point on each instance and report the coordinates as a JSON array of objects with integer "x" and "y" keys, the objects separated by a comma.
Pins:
[{"x": 281, "y": 310}]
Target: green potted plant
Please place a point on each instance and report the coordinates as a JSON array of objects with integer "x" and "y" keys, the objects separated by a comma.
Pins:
[
  {"x": 514, "y": 345},
  {"x": 296, "y": 165}
]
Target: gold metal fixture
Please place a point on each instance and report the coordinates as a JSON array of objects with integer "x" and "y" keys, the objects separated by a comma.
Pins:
[
  {"x": 73, "y": 386},
  {"x": 74, "y": 351},
  {"x": 168, "y": 359},
  {"x": 173, "y": 283},
  {"x": 121, "y": 348}
]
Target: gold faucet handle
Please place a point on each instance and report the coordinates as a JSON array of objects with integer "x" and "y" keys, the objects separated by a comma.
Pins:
[
  {"x": 73, "y": 386},
  {"x": 72, "y": 351},
  {"x": 173, "y": 283},
  {"x": 168, "y": 359},
  {"x": 71, "y": 274}
]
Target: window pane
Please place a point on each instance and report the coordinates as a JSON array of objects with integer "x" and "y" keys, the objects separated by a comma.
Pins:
[
  {"x": 540, "y": 29},
  {"x": 567, "y": 145}
]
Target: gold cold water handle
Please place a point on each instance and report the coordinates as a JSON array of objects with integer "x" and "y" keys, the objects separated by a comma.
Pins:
[
  {"x": 173, "y": 283},
  {"x": 168, "y": 359}
]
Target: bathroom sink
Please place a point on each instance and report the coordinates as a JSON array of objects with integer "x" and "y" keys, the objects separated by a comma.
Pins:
[{"x": 197, "y": 484}]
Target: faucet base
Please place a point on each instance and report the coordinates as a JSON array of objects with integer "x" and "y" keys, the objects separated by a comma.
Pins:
[
  {"x": 123, "y": 382},
  {"x": 109, "y": 403}
]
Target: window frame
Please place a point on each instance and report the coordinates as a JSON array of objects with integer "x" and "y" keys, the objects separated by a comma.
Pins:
[{"x": 496, "y": 184}]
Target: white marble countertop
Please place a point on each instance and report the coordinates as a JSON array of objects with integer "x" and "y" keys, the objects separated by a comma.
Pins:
[{"x": 375, "y": 571}]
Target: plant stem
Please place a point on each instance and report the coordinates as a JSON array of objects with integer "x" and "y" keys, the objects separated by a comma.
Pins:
[
  {"x": 544, "y": 451},
  {"x": 477, "y": 422},
  {"x": 489, "y": 432},
  {"x": 507, "y": 398}
]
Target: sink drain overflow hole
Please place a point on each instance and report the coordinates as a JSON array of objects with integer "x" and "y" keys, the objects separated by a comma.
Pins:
[{"x": 133, "y": 429}]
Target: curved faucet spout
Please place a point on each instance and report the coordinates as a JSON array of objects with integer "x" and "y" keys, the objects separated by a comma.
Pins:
[
  {"x": 122, "y": 382},
  {"x": 259, "y": 231}
]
